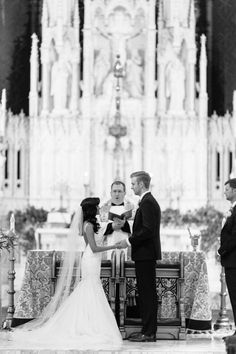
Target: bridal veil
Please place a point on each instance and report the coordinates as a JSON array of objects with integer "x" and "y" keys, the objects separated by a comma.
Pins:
[{"x": 70, "y": 273}]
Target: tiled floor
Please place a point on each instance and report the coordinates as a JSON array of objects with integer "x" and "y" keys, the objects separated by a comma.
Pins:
[{"x": 206, "y": 344}]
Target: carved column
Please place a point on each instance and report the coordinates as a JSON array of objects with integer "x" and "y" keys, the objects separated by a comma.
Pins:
[
  {"x": 161, "y": 100},
  {"x": 88, "y": 55},
  {"x": 234, "y": 131},
  {"x": 45, "y": 79},
  {"x": 203, "y": 79},
  {"x": 75, "y": 63},
  {"x": 11, "y": 278},
  {"x": 161, "y": 88},
  {"x": 150, "y": 61},
  {"x": 75, "y": 84},
  {"x": 190, "y": 92},
  {"x": 1, "y": 318},
  {"x": 33, "y": 96},
  {"x": 87, "y": 87}
]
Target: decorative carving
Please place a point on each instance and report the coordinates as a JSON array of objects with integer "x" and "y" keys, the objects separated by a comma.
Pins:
[
  {"x": 106, "y": 287},
  {"x": 175, "y": 84},
  {"x": 61, "y": 82}
]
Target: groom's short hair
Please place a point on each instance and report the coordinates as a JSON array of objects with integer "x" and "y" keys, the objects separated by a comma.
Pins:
[
  {"x": 231, "y": 182},
  {"x": 142, "y": 176}
]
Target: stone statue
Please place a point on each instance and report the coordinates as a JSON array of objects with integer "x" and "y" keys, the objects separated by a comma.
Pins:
[
  {"x": 134, "y": 74},
  {"x": 66, "y": 7},
  {"x": 61, "y": 83},
  {"x": 175, "y": 85},
  {"x": 102, "y": 68}
]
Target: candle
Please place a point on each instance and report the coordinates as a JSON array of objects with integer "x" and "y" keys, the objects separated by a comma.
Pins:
[
  {"x": 86, "y": 179},
  {"x": 12, "y": 223}
]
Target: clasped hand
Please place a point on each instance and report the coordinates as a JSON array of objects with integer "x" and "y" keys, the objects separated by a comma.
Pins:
[{"x": 121, "y": 244}]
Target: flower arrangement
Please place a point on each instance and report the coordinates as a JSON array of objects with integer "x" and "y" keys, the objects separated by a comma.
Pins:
[
  {"x": 7, "y": 239},
  {"x": 26, "y": 222},
  {"x": 208, "y": 218}
]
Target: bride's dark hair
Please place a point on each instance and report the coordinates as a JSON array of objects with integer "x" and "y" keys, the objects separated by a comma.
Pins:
[{"x": 89, "y": 206}]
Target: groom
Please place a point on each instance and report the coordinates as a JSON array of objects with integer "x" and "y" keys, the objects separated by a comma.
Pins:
[{"x": 145, "y": 250}]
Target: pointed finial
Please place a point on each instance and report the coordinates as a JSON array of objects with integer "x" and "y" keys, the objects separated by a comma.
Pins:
[
  {"x": 3, "y": 109},
  {"x": 34, "y": 47},
  {"x": 234, "y": 102},
  {"x": 191, "y": 15},
  {"x": 203, "y": 48},
  {"x": 4, "y": 100}
]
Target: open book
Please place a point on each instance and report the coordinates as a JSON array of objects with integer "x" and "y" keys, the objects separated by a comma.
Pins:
[{"x": 120, "y": 213}]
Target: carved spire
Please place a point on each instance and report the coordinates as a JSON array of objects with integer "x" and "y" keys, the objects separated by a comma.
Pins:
[
  {"x": 34, "y": 48},
  {"x": 160, "y": 16},
  {"x": 3, "y": 113},
  {"x": 76, "y": 22},
  {"x": 191, "y": 15},
  {"x": 76, "y": 15},
  {"x": 234, "y": 103},
  {"x": 203, "y": 64},
  {"x": 45, "y": 14},
  {"x": 33, "y": 96},
  {"x": 203, "y": 79}
]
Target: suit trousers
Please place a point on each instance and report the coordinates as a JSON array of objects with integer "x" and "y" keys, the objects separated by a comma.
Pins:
[
  {"x": 146, "y": 285},
  {"x": 230, "y": 277}
]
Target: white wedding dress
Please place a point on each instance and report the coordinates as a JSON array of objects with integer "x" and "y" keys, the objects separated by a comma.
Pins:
[{"x": 84, "y": 321}]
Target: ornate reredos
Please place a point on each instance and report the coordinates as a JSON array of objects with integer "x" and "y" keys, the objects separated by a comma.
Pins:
[
  {"x": 118, "y": 27},
  {"x": 60, "y": 10},
  {"x": 59, "y": 51}
]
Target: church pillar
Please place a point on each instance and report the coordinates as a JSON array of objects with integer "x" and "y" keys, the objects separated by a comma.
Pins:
[
  {"x": 75, "y": 64},
  {"x": 75, "y": 86},
  {"x": 88, "y": 55},
  {"x": 203, "y": 124},
  {"x": 3, "y": 115},
  {"x": 150, "y": 62},
  {"x": 87, "y": 91},
  {"x": 45, "y": 80},
  {"x": 203, "y": 79},
  {"x": 150, "y": 103},
  {"x": 149, "y": 133},
  {"x": 161, "y": 89},
  {"x": 234, "y": 131},
  {"x": 190, "y": 92},
  {"x": 33, "y": 95}
]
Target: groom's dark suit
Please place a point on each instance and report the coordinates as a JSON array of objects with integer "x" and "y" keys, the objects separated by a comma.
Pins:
[
  {"x": 227, "y": 252},
  {"x": 145, "y": 250}
]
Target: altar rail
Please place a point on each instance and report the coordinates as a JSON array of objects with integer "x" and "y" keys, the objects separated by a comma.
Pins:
[
  {"x": 119, "y": 283},
  {"x": 182, "y": 290}
]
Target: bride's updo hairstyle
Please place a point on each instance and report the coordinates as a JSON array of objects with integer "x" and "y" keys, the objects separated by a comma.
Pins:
[{"x": 89, "y": 207}]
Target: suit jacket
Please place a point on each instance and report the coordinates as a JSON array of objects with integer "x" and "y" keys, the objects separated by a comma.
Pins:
[
  {"x": 227, "y": 248},
  {"x": 145, "y": 239}
]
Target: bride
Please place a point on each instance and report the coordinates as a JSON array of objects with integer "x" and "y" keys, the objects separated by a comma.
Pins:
[{"x": 83, "y": 318}]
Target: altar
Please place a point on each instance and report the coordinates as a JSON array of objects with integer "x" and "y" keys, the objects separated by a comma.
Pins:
[{"x": 182, "y": 289}]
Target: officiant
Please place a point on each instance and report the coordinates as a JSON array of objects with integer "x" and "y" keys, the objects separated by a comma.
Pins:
[{"x": 119, "y": 228}]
